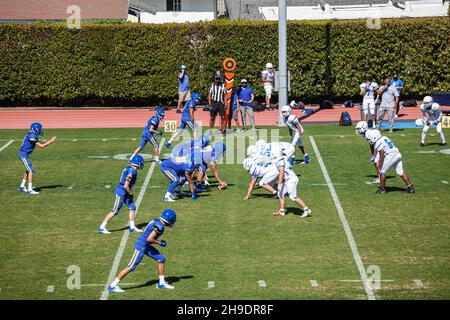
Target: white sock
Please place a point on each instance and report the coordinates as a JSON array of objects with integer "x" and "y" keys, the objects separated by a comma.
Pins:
[
  {"x": 115, "y": 282},
  {"x": 167, "y": 195},
  {"x": 161, "y": 280},
  {"x": 103, "y": 225},
  {"x": 282, "y": 210},
  {"x": 24, "y": 181},
  {"x": 274, "y": 192},
  {"x": 156, "y": 158},
  {"x": 132, "y": 226},
  {"x": 305, "y": 208},
  {"x": 30, "y": 186}
]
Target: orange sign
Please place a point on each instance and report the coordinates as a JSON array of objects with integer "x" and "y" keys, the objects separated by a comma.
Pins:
[{"x": 229, "y": 64}]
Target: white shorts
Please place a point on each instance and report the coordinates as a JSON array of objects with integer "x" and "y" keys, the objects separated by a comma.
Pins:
[
  {"x": 395, "y": 162},
  {"x": 268, "y": 89},
  {"x": 290, "y": 187},
  {"x": 269, "y": 178},
  {"x": 368, "y": 106}
]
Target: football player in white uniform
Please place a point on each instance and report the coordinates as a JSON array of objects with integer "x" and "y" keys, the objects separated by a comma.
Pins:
[
  {"x": 431, "y": 115},
  {"x": 267, "y": 77},
  {"x": 296, "y": 132},
  {"x": 266, "y": 172},
  {"x": 287, "y": 183},
  {"x": 361, "y": 129},
  {"x": 390, "y": 157},
  {"x": 368, "y": 90}
]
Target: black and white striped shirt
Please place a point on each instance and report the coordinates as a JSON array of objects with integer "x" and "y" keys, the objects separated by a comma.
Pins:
[{"x": 217, "y": 92}]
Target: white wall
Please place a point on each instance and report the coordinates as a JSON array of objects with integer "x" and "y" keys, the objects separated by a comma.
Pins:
[
  {"x": 179, "y": 17},
  {"x": 188, "y": 5}
]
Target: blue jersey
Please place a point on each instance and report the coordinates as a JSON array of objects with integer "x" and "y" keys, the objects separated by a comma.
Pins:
[
  {"x": 179, "y": 167},
  {"x": 245, "y": 94},
  {"x": 188, "y": 151},
  {"x": 128, "y": 174},
  {"x": 29, "y": 143},
  {"x": 187, "y": 110},
  {"x": 152, "y": 122},
  {"x": 154, "y": 225}
]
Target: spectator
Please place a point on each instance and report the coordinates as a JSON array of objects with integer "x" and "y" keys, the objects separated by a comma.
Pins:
[
  {"x": 235, "y": 111},
  {"x": 184, "y": 94},
  {"x": 389, "y": 100},
  {"x": 216, "y": 99},
  {"x": 267, "y": 77},
  {"x": 245, "y": 102},
  {"x": 398, "y": 83}
]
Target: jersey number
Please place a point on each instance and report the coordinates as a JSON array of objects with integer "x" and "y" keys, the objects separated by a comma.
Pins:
[{"x": 389, "y": 143}]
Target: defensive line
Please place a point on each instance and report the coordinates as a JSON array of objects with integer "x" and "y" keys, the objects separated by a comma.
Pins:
[
  {"x": 123, "y": 242},
  {"x": 348, "y": 231}
]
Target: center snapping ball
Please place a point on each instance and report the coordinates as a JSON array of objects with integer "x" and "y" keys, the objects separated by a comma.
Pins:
[{"x": 222, "y": 186}]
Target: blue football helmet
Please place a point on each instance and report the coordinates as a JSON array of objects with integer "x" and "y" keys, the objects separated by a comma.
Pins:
[
  {"x": 169, "y": 216},
  {"x": 37, "y": 128},
  {"x": 205, "y": 140},
  {"x": 196, "y": 97},
  {"x": 137, "y": 160},
  {"x": 160, "y": 113}
]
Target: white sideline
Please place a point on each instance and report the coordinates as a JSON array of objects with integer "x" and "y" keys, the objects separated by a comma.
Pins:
[
  {"x": 123, "y": 242},
  {"x": 6, "y": 145},
  {"x": 348, "y": 231}
]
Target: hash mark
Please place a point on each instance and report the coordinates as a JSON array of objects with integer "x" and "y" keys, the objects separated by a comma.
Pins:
[
  {"x": 314, "y": 283},
  {"x": 50, "y": 289},
  {"x": 211, "y": 284},
  {"x": 419, "y": 283},
  {"x": 262, "y": 283}
]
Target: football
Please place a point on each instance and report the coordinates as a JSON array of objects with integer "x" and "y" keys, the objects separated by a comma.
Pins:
[{"x": 222, "y": 186}]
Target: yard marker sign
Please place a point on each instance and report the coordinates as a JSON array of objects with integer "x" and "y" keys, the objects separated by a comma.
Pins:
[{"x": 229, "y": 64}]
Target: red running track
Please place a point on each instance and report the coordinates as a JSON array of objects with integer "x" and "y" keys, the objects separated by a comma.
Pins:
[{"x": 20, "y": 118}]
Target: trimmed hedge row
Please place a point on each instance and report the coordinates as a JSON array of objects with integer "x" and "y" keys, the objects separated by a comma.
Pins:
[{"x": 137, "y": 63}]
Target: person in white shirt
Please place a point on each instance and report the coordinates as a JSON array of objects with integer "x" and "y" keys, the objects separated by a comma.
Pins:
[
  {"x": 296, "y": 132},
  {"x": 266, "y": 172},
  {"x": 368, "y": 90},
  {"x": 390, "y": 157},
  {"x": 431, "y": 115},
  {"x": 267, "y": 78}
]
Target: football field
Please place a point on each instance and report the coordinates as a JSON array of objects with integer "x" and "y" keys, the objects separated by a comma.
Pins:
[{"x": 356, "y": 245}]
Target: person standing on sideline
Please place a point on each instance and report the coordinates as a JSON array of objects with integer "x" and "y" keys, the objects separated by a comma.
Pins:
[
  {"x": 184, "y": 94},
  {"x": 368, "y": 90},
  {"x": 245, "y": 98},
  {"x": 267, "y": 77},
  {"x": 389, "y": 101},
  {"x": 398, "y": 83},
  {"x": 216, "y": 99}
]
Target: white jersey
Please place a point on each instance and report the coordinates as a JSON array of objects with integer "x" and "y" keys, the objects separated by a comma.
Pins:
[
  {"x": 268, "y": 75},
  {"x": 384, "y": 144},
  {"x": 289, "y": 174},
  {"x": 260, "y": 170},
  {"x": 262, "y": 157},
  {"x": 370, "y": 89},
  {"x": 292, "y": 122},
  {"x": 434, "y": 113}
]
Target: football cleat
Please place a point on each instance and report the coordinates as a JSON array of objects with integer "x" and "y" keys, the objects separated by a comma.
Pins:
[
  {"x": 168, "y": 199},
  {"x": 31, "y": 191},
  {"x": 422, "y": 144},
  {"x": 444, "y": 144},
  {"x": 115, "y": 289},
  {"x": 165, "y": 285},
  {"x": 306, "y": 160},
  {"x": 157, "y": 161},
  {"x": 135, "y": 229},
  {"x": 410, "y": 189},
  {"x": 104, "y": 231},
  {"x": 168, "y": 145},
  {"x": 24, "y": 189},
  {"x": 306, "y": 213},
  {"x": 275, "y": 196},
  {"x": 381, "y": 190},
  {"x": 279, "y": 214}
]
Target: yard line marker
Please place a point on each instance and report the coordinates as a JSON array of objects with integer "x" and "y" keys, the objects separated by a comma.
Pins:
[
  {"x": 324, "y": 184},
  {"x": 123, "y": 242},
  {"x": 359, "y": 280},
  {"x": 102, "y": 284},
  {"x": 50, "y": 289},
  {"x": 98, "y": 157},
  {"x": 74, "y": 140},
  {"x": 314, "y": 283},
  {"x": 70, "y": 187},
  {"x": 262, "y": 283},
  {"x": 444, "y": 182},
  {"x": 6, "y": 145},
  {"x": 419, "y": 283},
  {"x": 369, "y": 183},
  {"x": 348, "y": 231},
  {"x": 211, "y": 284},
  {"x": 107, "y": 186}
]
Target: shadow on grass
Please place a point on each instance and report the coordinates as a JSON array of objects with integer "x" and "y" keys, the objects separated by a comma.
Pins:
[
  {"x": 170, "y": 280},
  {"x": 296, "y": 211},
  {"x": 54, "y": 186},
  {"x": 140, "y": 226}
]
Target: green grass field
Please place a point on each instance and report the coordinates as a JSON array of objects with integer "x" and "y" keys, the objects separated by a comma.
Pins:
[{"x": 220, "y": 237}]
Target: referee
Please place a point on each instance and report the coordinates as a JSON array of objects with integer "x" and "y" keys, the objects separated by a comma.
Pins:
[{"x": 216, "y": 98}]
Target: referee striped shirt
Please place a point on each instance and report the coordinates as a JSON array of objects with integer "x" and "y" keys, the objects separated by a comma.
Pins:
[{"x": 217, "y": 91}]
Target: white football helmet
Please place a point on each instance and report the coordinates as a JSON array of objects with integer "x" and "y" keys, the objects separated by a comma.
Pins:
[
  {"x": 260, "y": 144},
  {"x": 427, "y": 101},
  {"x": 373, "y": 135},
  {"x": 361, "y": 128},
  {"x": 419, "y": 122},
  {"x": 286, "y": 111},
  {"x": 269, "y": 66},
  {"x": 248, "y": 162},
  {"x": 293, "y": 104},
  {"x": 251, "y": 151},
  {"x": 435, "y": 107}
]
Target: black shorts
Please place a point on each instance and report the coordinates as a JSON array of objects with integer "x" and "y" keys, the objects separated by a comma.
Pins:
[{"x": 217, "y": 108}]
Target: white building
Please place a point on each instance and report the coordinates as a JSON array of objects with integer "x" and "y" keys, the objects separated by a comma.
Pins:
[{"x": 169, "y": 11}]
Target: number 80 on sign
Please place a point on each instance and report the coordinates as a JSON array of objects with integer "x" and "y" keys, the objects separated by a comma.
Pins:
[{"x": 170, "y": 126}]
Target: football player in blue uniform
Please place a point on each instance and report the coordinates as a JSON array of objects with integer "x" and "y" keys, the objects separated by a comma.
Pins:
[
  {"x": 124, "y": 194},
  {"x": 188, "y": 148},
  {"x": 187, "y": 119},
  {"x": 178, "y": 171},
  {"x": 210, "y": 157},
  {"x": 148, "y": 134},
  {"x": 30, "y": 141},
  {"x": 144, "y": 246}
]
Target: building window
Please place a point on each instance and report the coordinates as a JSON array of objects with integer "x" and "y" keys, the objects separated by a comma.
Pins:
[{"x": 173, "y": 5}]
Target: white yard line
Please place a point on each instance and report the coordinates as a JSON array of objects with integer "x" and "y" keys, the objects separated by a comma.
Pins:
[
  {"x": 123, "y": 242},
  {"x": 314, "y": 283},
  {"x": 348, "y": 231},
  {"x": 211, "y": 284},
  {"x": 6, "y": 145},
  {"x": 262, "y": 283}
]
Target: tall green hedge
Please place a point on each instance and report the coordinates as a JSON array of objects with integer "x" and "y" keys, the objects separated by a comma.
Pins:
[{"x": 136, "y": 62}]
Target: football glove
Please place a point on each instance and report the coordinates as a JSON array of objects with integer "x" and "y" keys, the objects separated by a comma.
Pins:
[
  {"x": 160, "y": 132},
  {"x": 163, "y": 243}
]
